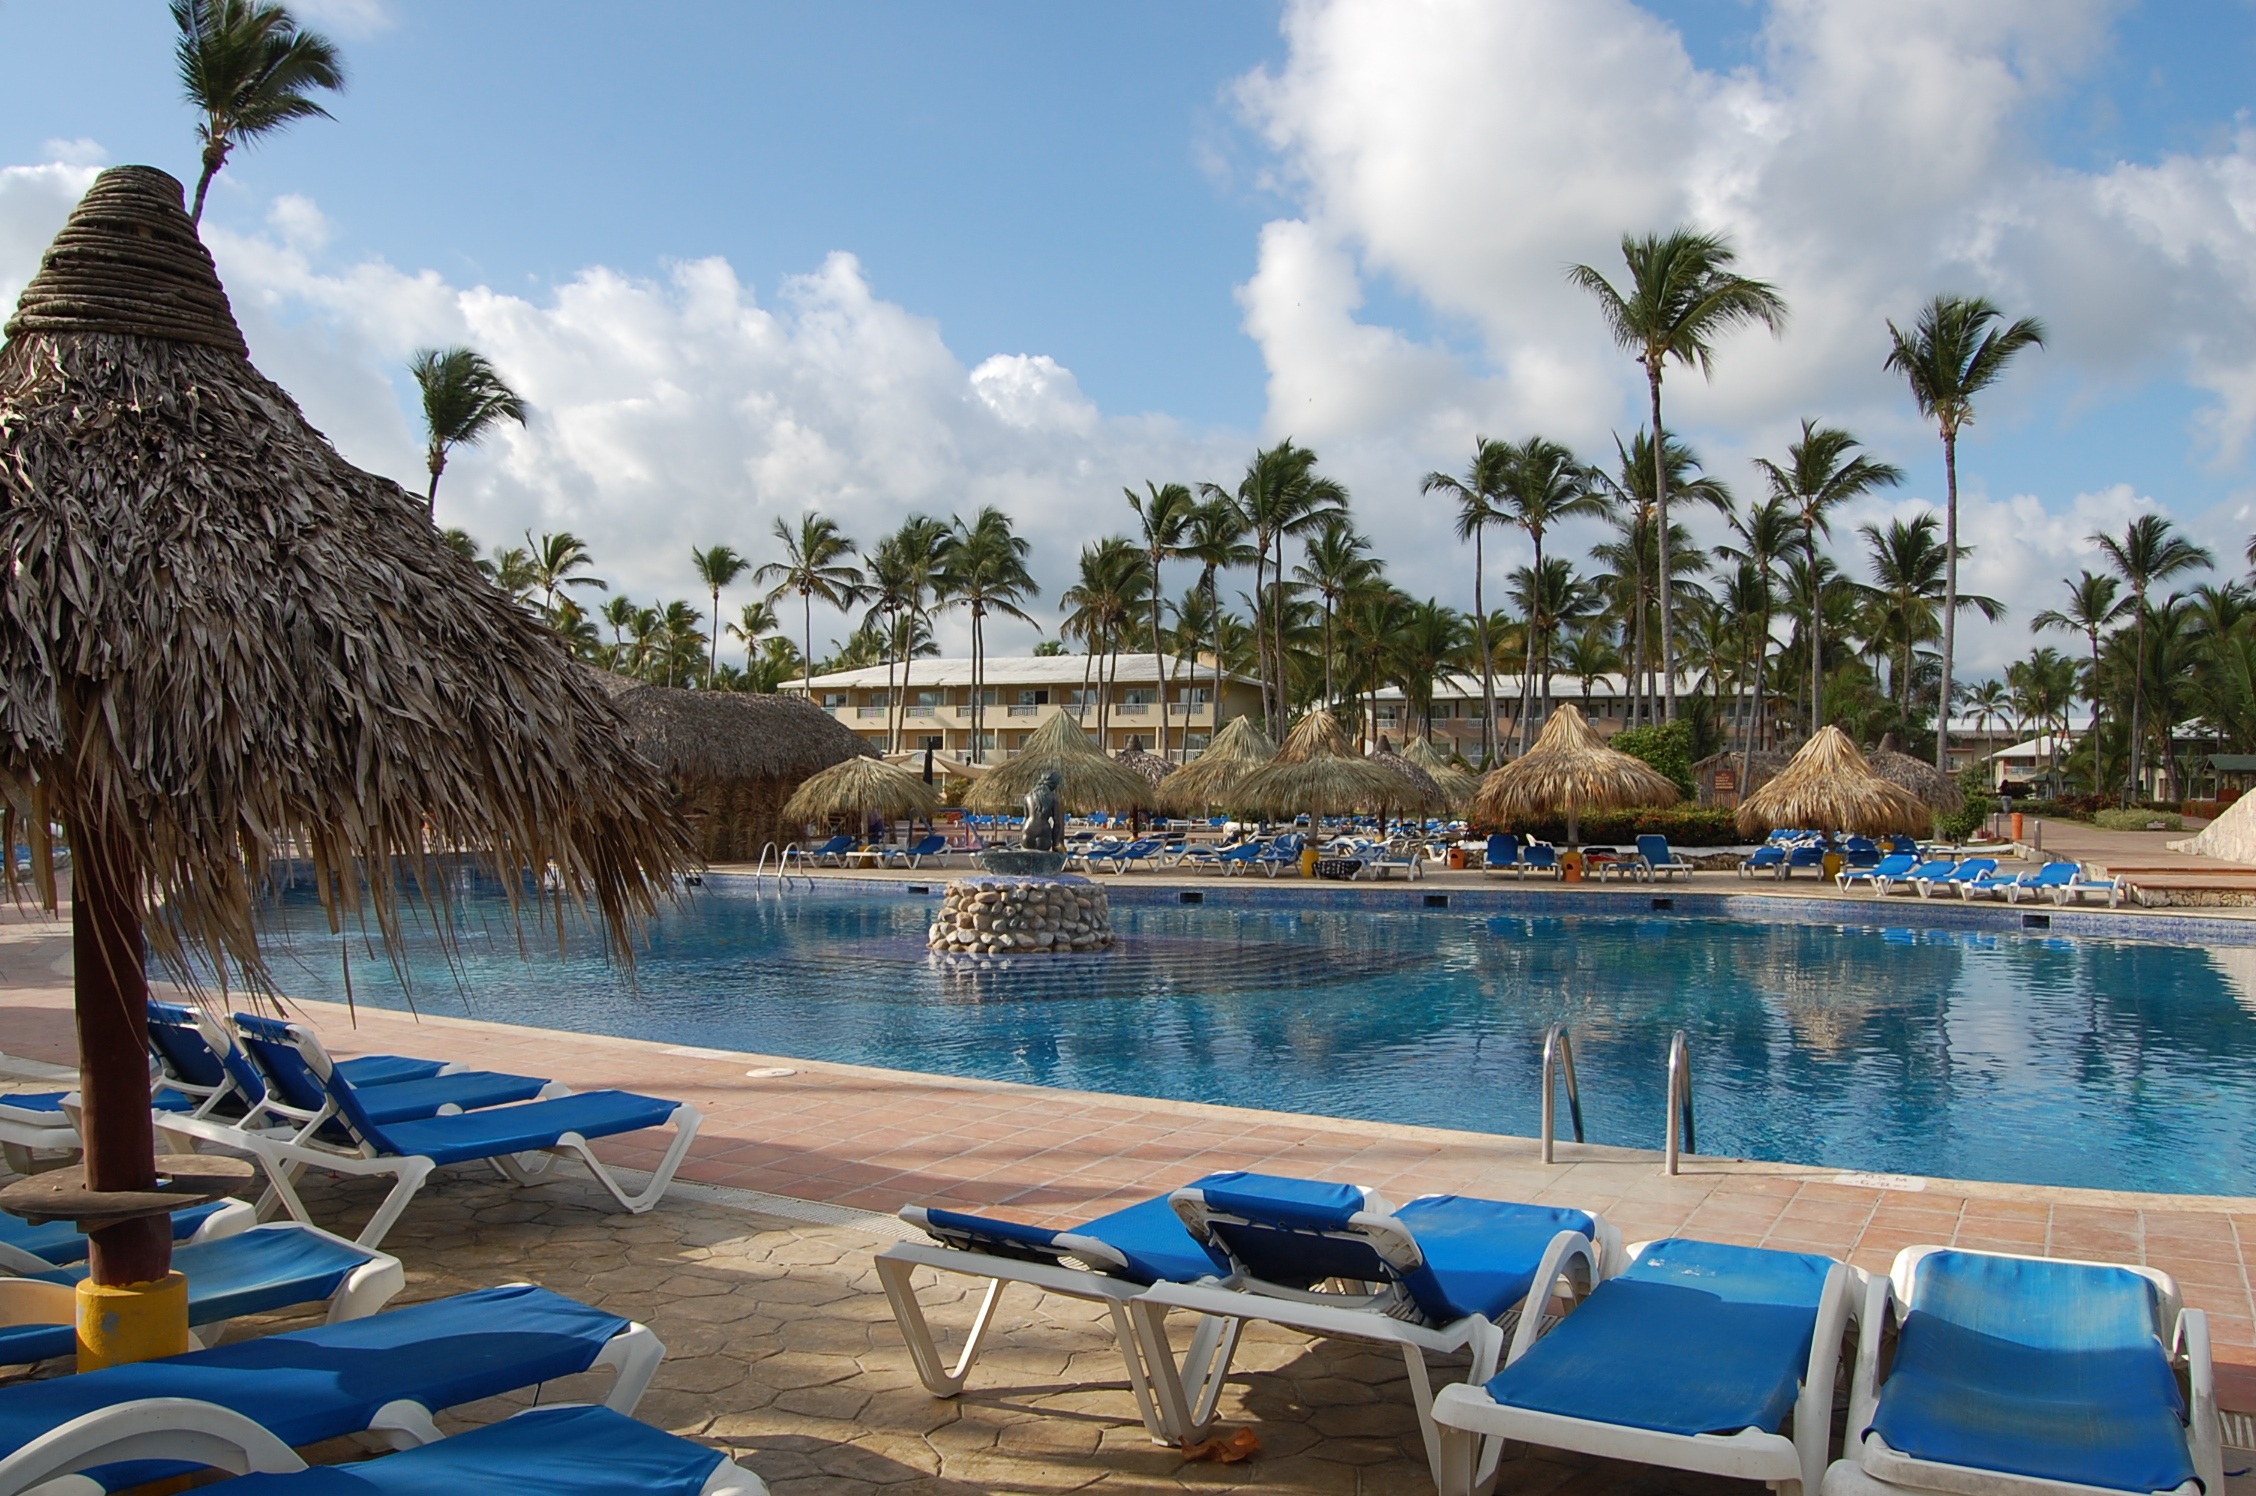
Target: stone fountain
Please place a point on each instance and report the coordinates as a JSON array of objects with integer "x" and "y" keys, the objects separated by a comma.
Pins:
[{"x": 1028, "y": 904}]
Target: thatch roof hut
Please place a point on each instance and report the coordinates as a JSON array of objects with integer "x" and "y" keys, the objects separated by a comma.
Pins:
[
  {"x": 1149, "y": 764},
  {"x": 1090, "y": 780},
  {"x": 1830, "y": 787},
  {"x": 1457, "y": 782},
  {"x": 1424, "y": 793},
  {"x": 944, "y": 765},
  {"x": 733, "y": 758},
  {"x": 1212, "y": 779},
  {"x": 1724, "y": 779},
  {"x": 218, "y": 638},
  {"x": 1569, "y": 769},
  {"x": 861, "y": 788},
  {"x": 1317, "y": 772},
  {"x": 1939, "y": 790}
]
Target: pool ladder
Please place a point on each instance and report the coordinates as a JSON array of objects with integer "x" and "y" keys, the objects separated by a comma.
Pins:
[
  {"x": 782, "y": 866},
  {"x": 1558, "y": 1063}
]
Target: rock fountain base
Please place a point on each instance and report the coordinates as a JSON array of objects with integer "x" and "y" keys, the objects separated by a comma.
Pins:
[{"x": 1008, "y": 916}]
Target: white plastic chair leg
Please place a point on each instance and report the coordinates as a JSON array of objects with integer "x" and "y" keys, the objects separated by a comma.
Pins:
[{"x": 939, "y": 1378}]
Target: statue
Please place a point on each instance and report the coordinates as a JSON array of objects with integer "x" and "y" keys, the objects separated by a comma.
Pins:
[{"x": 1045, "y": 826}]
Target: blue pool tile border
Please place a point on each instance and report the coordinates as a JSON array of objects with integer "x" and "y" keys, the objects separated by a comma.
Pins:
[{"x": 1406, "y": 897}]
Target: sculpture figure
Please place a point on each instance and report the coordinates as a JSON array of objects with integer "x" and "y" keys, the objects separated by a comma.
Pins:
[{"x": 1045, "y": 825}]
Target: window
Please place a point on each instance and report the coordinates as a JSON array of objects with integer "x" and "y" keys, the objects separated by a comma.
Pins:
[
  {"x": 1137, "y": 696},
  {"x": 1198, "y": 695},
  {"x": 832, "y": 700},
  {"x": 929, "y": 699},
  {"x": 878, "y": 698},
  {"x": 1034, "y": 698},
  {"x": 1194, "y": 742}
]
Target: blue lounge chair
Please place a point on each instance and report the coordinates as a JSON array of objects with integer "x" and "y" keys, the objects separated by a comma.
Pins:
[
  {"x": 1145, "y": 850},
  {"x": 1769, "y": 858},
  {"x": 2027, "y": 1375},
  {"x": 1541, "y": 857},
  {"x": 409, "y": 1150},
  {"x": 26, "y": 1248},
  {"x": 1700, "y": 1357},
  {"x": 249, "y": 1272},
  {"x": 1280, "y": 854},
  {"x": 1933, "y": 870},
  {"x": 1435, "y": 1277},
  {"x": 1802, "y": 854},
  {"x": 913, "y": 856},
  {"x": 1882, "y": 873},
  {"x": 560, "y": 1450},
  {"x": 831, "y": 853},
  {"x": 2008, "y": 886},
  {"x": 269, "y": 1067},
  {"x": 2076, "y": 887},
  {"x": 1109, "y": 1260},
  {"x": 1502, "y": 853},
  {"x": 1660, "y": 859},
  {"x": 1859, "y": 852},
  {"x": 389, "y": 1373},
  {"x": 1965, "y": 872}
]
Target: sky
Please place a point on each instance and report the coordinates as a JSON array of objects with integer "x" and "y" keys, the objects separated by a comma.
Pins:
[{"x": 893, "y": 257}]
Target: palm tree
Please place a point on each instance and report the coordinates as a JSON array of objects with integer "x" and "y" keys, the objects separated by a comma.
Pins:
[
  {"x": 249, "y": 69},
  {"x": 463, "y": 400},
  {"x": 1909, "y": 570},
  {"x": 2094, "y": 606},
  {"x": 1543, "y": 485},
  {"x": 1953, "y": 353},
  {"x": 619, "y": 612},
  {"x": 678, "y": 639},
  {"x": 1630, "y": 503},
  {"x": 553, "y": 559},
  {"x": 1101, "y": 605},
  {"x": 1432, "y": 639},
  {"x": 1280, "y": 495},
  {"x": 1476, "y": 495},
  {"x": 982, "y": 569},
  {"x": 717, "y": 566},
  {"x": 1215, "y": 539},
  {"x": 814, "y": 565},
  {"x": 461, "y": 542},
  {"x": 1165, "y": 511},
  {"x": 2145, "y": 554},
  {"x": 754, "y": 622},
  {"x": 1547, "y": 598},
  {"x": 1765, "y": 535},
  {"x": 1821, "y": 474},
  {"x": 1374, "y": 621},
  {"x": 1683, "y": 296},
  {"x": 1337, "y": 562}
]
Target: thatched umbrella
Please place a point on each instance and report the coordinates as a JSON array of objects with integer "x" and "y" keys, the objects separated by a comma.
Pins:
[
  {"x": 1830, "y": 787},
  {"x": 1088, "y": 780},
  {"x": 1213, "y": 777},
  {"x": 1424, "y": 793},
  {"x": 1460, "y": 784},
  {"x": 862, "y": 786},
  {"x": 219, "y": 638},
  {"x": 1150, "y": 765},
  {"x": 946, "y": 765},
  {"x": 1939, "y": 790},
  {"x": 1570, "y": 769},
  {"x": 1319, "y": 773}
]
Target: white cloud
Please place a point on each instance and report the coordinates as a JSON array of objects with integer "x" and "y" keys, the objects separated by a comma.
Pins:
[
  {"x": 34, "y": 201},
  {"x": 351, "y": 19}
]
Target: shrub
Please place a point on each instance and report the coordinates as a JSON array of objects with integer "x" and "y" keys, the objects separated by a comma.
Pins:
[
  {"x": 1967, "y": 819},
  {"x": 1667, "y": 748},
  {"x": 2138, "y": 820},
  {"x": 2207, "y": 810},
  {"x": 1683, "y": 825}
]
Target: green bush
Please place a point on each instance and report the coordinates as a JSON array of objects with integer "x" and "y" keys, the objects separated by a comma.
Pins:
[
  {"x": 2138, "y": 820},
  {"x": 1667, "y": 748},
  {"x": 1967, "y": 819},
  {"x": 1683, "y": 825}
]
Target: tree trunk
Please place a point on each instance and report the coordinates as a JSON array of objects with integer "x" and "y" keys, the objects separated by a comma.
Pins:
[
  {"x": 1950, "y": 592},
  {"x": 113, "y": 1044},
  {"x": 2138, "y": 705},
  {"x": 1488, "y": 659},
  {"x": 2098, "y": 787},
  {"x": 1159, "y": 656},
  {"x": 1660, "y": 510},
  {"x": 215, "y": 156},
  {"x": 807, "y": 634},
  {"x": 1816, "y": 631},
  {"x": 1762, "y": 655},
  {"x": 1214, "y": 620}
]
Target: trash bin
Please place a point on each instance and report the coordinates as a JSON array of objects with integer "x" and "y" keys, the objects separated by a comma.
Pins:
[
  {"x": 1456, "y": 859},
  {"x": 1834, "y": 862},
  {"x": 1570, "y": 863},
  {"x": 2017, "y": 825}
]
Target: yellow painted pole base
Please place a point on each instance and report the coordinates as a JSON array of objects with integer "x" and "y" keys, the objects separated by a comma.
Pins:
[{"x": 133, "y": 1322}]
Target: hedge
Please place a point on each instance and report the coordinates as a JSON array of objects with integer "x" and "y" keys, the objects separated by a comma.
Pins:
[
  {"x": 2138, "y": 820},
  {"x": 1683, "y": 825}
]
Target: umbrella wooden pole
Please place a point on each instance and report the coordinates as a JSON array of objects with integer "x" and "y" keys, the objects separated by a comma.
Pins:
[{"x": 113, "y": 1049}]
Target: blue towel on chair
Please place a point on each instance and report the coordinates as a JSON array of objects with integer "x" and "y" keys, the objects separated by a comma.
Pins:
[{"x": 569, "y": 1451}]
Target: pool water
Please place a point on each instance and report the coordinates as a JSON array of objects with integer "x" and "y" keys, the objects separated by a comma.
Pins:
[{"x": 2027, "y": 1058}]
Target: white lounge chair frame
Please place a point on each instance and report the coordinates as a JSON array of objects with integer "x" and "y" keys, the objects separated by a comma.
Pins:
[
  {"x": 1474, "y": 1428},
  {"x": 230, "y": 1219},
  {"x": 1871, "y": 1468},
  {"x": 898, "y": 1262}
]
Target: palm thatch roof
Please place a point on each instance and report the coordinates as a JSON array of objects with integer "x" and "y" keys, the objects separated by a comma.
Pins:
[
  {"x": 727, "y": 735},
  {"x": 864, "y": 786},
  {"x": 1090, "y": 780},
  {"x": 1762, "y": 766},
  {"x": 1457, "y": 782},
  {"x": 1318, "y": 772},
  {"x": 1212, "y": 778},
  {"x": 1830, "y": 787},
  {"x": 1425, "y": 792},
  {"x": 1939, "y": 790},
  {"x": 943, "y": 764},
  {"x": 219, "y": 638},
  {"x": 1569, "y": 769},
  {"x": 1149, "y": 764}
]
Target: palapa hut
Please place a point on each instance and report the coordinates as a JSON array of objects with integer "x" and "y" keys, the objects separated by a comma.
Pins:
[
  {"x": 1149, "y": 764},
  {"x": 1318, "y": 773},
  {"x": 1458, "y": 784},
  {"x": 1089, "y": 780},
  {"x": 218, "y": 637},
  {"x": 1830, "y": 787},
  {"x": 1724, "y": 779},
  {"x": 1569, "y": 770},
  {"x": 1423, "y": 793},
  {"x": 1939, "y": 790},
  {"x": 1210, "y": 781},
  {"x": 733, "y": 758},
  {"x": 860, "y": 788}
]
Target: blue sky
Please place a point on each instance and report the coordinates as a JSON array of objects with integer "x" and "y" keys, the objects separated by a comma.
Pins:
[{"x": 1088, "y": 246}]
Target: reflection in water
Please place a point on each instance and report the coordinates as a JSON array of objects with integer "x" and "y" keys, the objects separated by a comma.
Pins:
[{"x": 1920, "y": 1051}]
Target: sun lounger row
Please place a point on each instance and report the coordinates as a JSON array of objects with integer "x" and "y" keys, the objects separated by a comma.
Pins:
[
  {"x": 1972, "y": 1371},
  {"x": 1978, "y": 876}
]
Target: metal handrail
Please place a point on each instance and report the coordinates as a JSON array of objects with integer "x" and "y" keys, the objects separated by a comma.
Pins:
[
  {"x": 1680, "y": 1139},
  {"x": 1558, "y": 1055}
]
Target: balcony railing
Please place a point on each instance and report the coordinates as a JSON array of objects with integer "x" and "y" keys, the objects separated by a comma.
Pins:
[
  {"x": 1132, "y": 709},
  {"x": 868, "y": 712},
  {"x": 1026, "y": 711}
]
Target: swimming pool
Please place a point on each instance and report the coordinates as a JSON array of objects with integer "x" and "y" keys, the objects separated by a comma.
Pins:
[{"x": 1965, "y": 1053}]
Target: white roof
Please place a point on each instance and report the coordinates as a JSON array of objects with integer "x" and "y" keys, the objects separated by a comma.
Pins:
[
  {"x": 1016, "y": 670},
  {"x": 1565, "y": 686},
  {"x": 2036, "y": 748}
]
